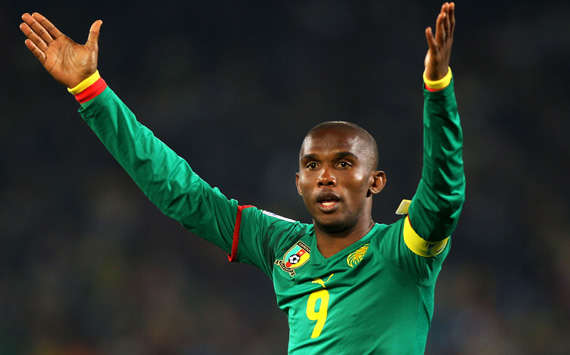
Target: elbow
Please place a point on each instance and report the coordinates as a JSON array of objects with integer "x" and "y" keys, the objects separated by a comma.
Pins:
[
  {"x": 451, "y": 204},
  {"x": 452, "y": 201},
  {"x": 436, "y": 214},
  {"x": 448, "y": 215}
]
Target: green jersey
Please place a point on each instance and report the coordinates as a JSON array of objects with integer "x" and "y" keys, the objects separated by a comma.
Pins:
[{"x": 374, "y": 297}]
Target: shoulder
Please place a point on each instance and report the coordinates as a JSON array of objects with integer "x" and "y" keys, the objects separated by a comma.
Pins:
[{"x": 277, "y": 230}]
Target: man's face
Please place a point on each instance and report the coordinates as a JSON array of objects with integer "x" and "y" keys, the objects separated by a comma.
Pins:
[{"x": 336, "y": 178}]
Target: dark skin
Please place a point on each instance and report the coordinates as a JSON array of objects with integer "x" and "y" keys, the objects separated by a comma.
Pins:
[
  {"x": 333, "y": 161},
  {"x": 439, "y": 46},
  {"x": 67, "y": 62},
  {"x": 337, "y": 179}
]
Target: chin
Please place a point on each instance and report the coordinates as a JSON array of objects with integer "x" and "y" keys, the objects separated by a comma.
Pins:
[{"x": 334, "y": 226}]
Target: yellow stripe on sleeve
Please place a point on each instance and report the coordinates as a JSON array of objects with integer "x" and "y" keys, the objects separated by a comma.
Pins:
[
  {"x": 85, "y": 83},
  {"x": 420, "y": 246},
  {"x": 438, "y": 84}
]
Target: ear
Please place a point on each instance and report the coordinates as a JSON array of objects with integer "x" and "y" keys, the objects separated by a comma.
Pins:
[
  {"x": 377, "y": 182},
  {"x": 297, "y": 184}
]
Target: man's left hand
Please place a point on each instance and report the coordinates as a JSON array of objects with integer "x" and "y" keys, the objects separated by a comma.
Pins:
[{"x": 439, "y": 52}]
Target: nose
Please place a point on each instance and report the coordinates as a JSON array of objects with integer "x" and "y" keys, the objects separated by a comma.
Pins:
[{"x": 326, "y": 178}]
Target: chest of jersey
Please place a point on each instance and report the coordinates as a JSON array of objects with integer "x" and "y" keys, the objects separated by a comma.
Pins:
[{"x": 355, "y": 297}]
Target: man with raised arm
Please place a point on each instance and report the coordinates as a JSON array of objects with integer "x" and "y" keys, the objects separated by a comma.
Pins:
[{"x": 348, "y": 285}]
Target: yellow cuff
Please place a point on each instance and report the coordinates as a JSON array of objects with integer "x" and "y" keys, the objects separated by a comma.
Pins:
[
  {"x": 420, "y": 246},
  {"x": 85, "y": 83},
  {"x": 439, "y": 84}
]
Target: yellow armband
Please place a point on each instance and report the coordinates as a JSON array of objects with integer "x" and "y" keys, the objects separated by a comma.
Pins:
[
  {"x": 420, "y": 246},
  {"x": 436, "y": 85}
]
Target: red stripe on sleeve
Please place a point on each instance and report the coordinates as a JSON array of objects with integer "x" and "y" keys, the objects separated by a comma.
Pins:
[
  {"x": 432, "y": 90},
  {"x": 233, "y": 256},
  {"x": 92, "y": 91}
]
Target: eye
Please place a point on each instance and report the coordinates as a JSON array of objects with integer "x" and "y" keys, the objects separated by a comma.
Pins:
[
  {"x": 311, "y": 165},
  {"x": 343, "y": 164}
]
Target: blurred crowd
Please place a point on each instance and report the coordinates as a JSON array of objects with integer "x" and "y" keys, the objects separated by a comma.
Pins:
[{"x": 90, "y": 267}]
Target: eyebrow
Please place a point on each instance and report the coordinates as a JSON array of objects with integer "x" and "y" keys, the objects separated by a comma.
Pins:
[
  {"x": 309, "y": 157},
  {"x": 341, "y": 155},
  {"x": 337, "y": 156}
]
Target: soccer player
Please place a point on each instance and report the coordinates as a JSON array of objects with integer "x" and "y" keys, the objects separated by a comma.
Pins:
[{"x": 348, "y": 285}]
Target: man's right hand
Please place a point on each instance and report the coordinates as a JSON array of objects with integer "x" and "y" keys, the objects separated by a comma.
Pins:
[{"x": 68, "y": 62}]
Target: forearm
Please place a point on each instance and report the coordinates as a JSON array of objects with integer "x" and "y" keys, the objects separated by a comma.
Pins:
[
  {"x": 164, "y": 177},
  {"x": 149, "y": 162},
  {"x": 439, "y": 198}
]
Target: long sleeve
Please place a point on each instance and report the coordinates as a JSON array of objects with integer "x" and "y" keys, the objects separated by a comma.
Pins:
[
  {"x": 437, "y": 203},
  {"x": 164, "y": 177}
]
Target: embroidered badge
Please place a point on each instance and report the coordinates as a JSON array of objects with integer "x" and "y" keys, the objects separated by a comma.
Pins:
[
  {"x": 294, "y": 258},
  {"x": 356, "y": 256}
]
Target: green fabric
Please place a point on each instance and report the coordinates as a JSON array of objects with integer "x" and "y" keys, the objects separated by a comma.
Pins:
[
  {"x": 381, "y": 304},
  {"x": 436, "y": 206},
  {"x": 164, "y": 177}
]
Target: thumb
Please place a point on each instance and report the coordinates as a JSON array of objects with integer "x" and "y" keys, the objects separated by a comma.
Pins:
[{"x": 93, "y": 38}]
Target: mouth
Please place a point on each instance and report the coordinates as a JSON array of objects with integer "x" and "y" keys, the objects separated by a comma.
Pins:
[{"x": 328, "y": 201}]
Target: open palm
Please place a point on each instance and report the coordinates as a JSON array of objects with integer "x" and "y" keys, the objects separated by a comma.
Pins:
[
  {"x": 67, "y": 61},
  {"x": 439, "y": 46}
]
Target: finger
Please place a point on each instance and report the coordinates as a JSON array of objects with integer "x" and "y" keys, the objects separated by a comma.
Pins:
[
  {"x": 35, "y": 50},
  {"x": 430, "y": 39},
  {"x": 37, "y": 27},
  {"x": 452, "y": 17},
  {"x": 33, "y": 36},
  {"x": 93, "y": 39},
  {"x": 439, "y": 30},
  {"x": 52, "y": 30},
  {"x": 447, "y": 24}
]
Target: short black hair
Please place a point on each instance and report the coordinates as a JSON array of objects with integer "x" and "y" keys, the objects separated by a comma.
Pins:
[{"x": 361, "y": 132}]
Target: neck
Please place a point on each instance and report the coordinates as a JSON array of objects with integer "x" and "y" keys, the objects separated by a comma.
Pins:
[{"x": 330, "y": 243}]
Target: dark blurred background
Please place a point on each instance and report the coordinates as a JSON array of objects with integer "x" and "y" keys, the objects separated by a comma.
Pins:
[{"x": 90, "y": 267}]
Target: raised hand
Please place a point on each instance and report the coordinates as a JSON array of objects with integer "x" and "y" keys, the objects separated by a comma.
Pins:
[
  {"x": 68, "y": 62},
  {"x": 439, "y": 52}
]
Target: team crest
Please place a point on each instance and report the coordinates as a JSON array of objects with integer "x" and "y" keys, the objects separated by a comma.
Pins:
[
  {"x": 294, "y": 258},
  {"x": 356, "y": 256}
]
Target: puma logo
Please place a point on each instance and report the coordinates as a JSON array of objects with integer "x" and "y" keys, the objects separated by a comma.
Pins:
[{"x": 321, "y": 282}]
